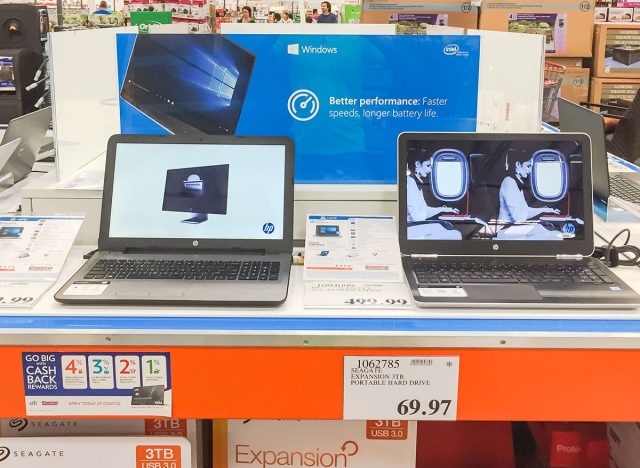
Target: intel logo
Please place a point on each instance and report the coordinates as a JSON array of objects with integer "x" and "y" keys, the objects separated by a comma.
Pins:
[{"x": 451, "y": 49}]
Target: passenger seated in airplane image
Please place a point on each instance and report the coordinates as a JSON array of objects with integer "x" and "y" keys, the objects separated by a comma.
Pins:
[
  {"x": 543, "y": 178},
  {"x": 421, "y": 217}
]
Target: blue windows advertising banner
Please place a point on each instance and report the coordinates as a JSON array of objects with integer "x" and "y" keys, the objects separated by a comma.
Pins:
[{"x": 343, "y": 99}]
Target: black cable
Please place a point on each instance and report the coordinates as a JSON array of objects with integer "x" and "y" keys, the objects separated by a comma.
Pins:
[
  {"x": 614, "y": 255},
  {"x": 88, "y": 255}
]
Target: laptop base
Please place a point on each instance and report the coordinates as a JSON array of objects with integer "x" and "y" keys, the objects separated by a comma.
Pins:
[
  {"x": 509, "y": 294},
  {"x": 79, "y": 290}
]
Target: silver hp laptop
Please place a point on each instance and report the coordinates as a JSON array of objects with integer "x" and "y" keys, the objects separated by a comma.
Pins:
[
  {"x": 501, "y": 220},
  {"x": 7, "y": 151},
  {"x": 625, "y": 186},
  {"x": 31, "y": 129},
  {"x": 192, "y": 221}
]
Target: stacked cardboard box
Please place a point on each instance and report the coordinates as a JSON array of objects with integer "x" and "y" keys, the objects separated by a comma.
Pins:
[
  {"x": 624, "y": 443},
  {"x": 190, "y": 429},
  {"x": 571, "y": 445},
  {"x": 96, "y": 452},
  {"x": 616, "y": 63},
  {"x": 575, "y": 81},
  {"x": 567, "y": 27},
  {"x": 413, "y": 18}
]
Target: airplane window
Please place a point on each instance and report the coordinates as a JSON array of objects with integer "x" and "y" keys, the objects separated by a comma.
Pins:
[
  {"x": 549, "y": 175},
  {"x": 450, "y": 175}
]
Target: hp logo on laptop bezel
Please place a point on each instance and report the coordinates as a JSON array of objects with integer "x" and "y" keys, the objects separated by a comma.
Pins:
[{"x": 195, "y": 243}]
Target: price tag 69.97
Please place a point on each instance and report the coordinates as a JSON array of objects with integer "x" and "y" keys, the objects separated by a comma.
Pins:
[{"x": 401, "y": 387}]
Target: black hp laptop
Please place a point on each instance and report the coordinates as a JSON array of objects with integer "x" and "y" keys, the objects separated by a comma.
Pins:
[
  {"x": 623, "y": 185},
  {"x": 188, "y": 83},
  {"x": 501, "y": 220},
  {"x": 192, "y": 220}
]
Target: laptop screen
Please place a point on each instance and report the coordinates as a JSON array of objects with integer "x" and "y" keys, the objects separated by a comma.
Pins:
[
  {"x": 575, "y": 118},
  {"x": 198, "y": 191},
  {"x": 496, "y": 190},
  {"x": 188, "y": 82}
]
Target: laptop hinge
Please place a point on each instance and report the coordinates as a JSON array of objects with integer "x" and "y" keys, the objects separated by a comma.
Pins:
[
  {"x": 164, "y": 250},
  {"x": 569, "y": 257},
  {"x": 424, "y": 255}
]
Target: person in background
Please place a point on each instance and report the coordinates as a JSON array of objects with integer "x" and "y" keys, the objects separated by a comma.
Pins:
[
  {"x": 103, "y": 9},
  {"x": 326, "y": 16},
  {"x": 245, "y": 16},
  {"x": 285, "y": 18},
  {"x": 308, "y": 19},
  {"x": 271, "y": 18},
  {"x": 276, "y": 17}
]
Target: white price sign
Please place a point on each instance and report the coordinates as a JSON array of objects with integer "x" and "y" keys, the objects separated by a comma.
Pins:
[
  {"x": 21, "y": 294},
  {"x": 348, "y": 295},
  {"x": 413, "y": 388}
]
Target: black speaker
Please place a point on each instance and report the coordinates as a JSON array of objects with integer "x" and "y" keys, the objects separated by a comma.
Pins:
[{"x": 20, "y": 27}]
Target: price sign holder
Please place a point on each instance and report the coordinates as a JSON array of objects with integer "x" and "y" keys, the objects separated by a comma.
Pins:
[
  {"x": 401, "y": 387},
  {"x": 352, "y": 295},
  {"x": 97, "y": 384}
]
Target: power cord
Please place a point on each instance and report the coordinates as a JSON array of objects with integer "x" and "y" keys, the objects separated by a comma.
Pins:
[{"x": 614, "y": 255}]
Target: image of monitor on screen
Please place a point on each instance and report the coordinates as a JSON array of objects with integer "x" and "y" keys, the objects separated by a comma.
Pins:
[
  {"x": 517, "y": 190},
  {"x": 198, "y": 190},
  {"x": 188, "y": 83}
]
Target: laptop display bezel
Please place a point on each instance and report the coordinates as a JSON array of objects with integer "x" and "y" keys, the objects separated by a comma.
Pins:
[
  {"x": 574, "y": 116},
  {"x": 121, "y": 244},
  {"x": 495, "y": 248}
]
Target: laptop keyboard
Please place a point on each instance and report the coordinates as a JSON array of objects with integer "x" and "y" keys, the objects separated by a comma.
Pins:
[
  {"x": 482, "y": 273},
  {"x": 184, "y": 270},
  {"x": 621, "y": 187},
  {"x": 46, "y": 147}
]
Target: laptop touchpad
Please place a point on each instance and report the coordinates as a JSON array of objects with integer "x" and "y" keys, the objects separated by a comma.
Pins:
[{"x": 502, "y": 292}]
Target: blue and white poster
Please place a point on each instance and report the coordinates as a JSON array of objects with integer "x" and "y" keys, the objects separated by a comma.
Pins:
[
  {"x": 97, "y": 384},
  {"x": 343, "y": 99}
]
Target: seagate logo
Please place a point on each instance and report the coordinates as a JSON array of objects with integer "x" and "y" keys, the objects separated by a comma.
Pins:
[
  {"x": 4, "y": 453},
  {"x": 18, "y": 424},
  {"x": 451, "y": 49},
  {"x": 195, "y": 243}
]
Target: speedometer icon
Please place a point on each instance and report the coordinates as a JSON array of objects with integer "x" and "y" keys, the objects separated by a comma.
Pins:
[{"x": 303, "y": 105}]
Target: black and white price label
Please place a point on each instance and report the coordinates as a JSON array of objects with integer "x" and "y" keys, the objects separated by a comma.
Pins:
[
  {"x": 21, "y": 294},
  {"x": 392, "y": 387}
]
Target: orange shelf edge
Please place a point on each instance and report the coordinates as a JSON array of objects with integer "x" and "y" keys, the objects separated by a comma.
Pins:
[{"x": 302, "y": 383}]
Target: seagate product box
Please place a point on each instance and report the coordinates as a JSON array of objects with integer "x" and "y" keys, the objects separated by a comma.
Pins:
[
  {"x": 609, "y": 90},
  {"x": 412, "y": 18},
  {"x": 300, "y": 444},
  {"x": 616, "y": 51},
  {"x": 566, "y": 26},
  {"x": 95, "y": 452},
  {"x": 191, "y": 429}
]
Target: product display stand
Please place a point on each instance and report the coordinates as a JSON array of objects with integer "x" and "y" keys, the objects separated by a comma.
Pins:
[{"x": 287, "y": 362}]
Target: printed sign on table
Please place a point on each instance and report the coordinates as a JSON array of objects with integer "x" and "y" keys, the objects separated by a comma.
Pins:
[{"x": 97, "y": 384}]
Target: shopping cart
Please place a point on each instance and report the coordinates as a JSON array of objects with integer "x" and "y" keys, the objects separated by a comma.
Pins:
[{"x": 553, "y": 74}]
